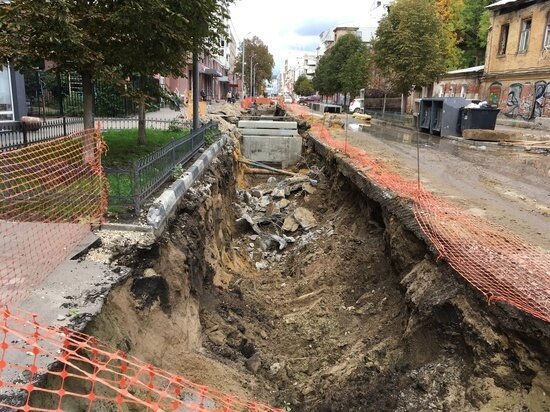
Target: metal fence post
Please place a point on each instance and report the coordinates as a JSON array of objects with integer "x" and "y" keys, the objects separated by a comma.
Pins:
[
  {"x": 137, "y": 189},
  {"x": 173, "y": 151}
]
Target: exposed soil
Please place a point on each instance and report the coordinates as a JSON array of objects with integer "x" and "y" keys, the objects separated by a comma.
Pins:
[{"x": 354, "y": 315}]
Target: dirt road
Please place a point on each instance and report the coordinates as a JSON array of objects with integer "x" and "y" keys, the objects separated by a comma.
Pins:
[{"x": 507, "y": 186}]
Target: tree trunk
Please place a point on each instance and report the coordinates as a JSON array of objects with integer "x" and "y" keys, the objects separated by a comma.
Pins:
[
  {"x": 141, "y": 122},
  {"x": 88, "y": 100}
]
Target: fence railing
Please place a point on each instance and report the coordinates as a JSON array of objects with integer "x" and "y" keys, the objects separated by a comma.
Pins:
[
  {"x": 132, "y": 187},
  {"x": 16, "y": 136}
]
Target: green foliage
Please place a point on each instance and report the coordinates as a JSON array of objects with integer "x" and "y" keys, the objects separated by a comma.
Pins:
[
  {"x": 343, "y": 68},
  {"x": 472, "y": 31},
  {"x": 256, "y": 50},
  {"x": 412, "y": 45},
  {"x": 303, "y": 86},
  {"x": 133, "y": 38}
]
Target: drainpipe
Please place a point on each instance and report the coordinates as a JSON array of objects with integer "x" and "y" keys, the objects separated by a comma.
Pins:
[{"x": 196, "y": 118}]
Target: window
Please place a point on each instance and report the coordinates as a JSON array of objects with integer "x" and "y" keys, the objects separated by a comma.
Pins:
[
  {"x": 6, "y": 100},
  {"x": 503, "y": 39},
  {"x": 547, "y": 35},
  {"x": 524, "y": 36}
]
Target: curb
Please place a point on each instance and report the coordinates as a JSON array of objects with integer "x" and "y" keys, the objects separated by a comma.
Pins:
[{"x": 164, "y": 207}]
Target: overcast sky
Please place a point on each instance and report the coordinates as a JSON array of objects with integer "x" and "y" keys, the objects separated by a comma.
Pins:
[{"x": 292, "y": 27}]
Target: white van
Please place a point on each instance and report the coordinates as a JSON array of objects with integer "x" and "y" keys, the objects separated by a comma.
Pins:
[{"x": 357, "y": 105}]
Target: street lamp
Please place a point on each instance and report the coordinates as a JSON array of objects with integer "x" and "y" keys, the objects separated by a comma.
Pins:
[
  {"x": 254, "y": 80},
  {"x": 242, "y": 67},
  {"x": 251, "y": 58}
]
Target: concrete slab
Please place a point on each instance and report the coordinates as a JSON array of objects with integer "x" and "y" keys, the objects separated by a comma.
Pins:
[
  {"x": 269, "y": 132},
  {"x": 283, "y": 150},
  {"x": 492, "y": 135},
  {"x": 266, "y": 124},
  {"x": 69, "y": 296}
]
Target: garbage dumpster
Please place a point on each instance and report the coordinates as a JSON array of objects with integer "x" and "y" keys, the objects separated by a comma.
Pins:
[
  {"x": 440, "y": 115},
  {"x": 478, "y": 118}
]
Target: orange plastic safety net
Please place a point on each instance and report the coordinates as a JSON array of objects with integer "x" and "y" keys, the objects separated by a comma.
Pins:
[
  {"x": 495, "y": 261},
  {"x": 50, "y": 195},
  {"x": 88, "y": 376}
]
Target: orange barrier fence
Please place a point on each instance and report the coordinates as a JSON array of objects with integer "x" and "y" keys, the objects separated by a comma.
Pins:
[
  {"x": 50, "y": 195},
  {"x": 495, "y": 261},
  {"x": 89, "y": 376},
  {"x": 246, "y": 103}
]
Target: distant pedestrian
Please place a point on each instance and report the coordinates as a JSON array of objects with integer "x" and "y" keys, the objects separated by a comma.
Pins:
[
  {"x": 203, "y": 95},
  {"x": 229, "y": 97}
]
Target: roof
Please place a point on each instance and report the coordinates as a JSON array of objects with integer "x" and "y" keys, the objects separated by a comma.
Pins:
[
  {"x": 500, "y": 4},
  {"x": 468, "y": 69}
]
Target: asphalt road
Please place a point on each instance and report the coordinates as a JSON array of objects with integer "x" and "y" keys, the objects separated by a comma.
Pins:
[{"x": 510, "y": 187}]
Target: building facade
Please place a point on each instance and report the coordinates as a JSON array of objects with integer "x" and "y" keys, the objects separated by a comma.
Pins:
[
  {"x": 517, "y": 64},
  {"x": 464, "y": 83},
  {"x": 13, "y": 103}
]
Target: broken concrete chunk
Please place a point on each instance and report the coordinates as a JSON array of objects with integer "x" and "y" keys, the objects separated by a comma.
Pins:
[
  {"x": 278, "y": 192},
  {"x": 256, "y": 193},
  {"x": 309, "y": 188},
  {"x": 148, "y": 273},
  {"x": 281, "y": 204},
  {"x": 305, "y": 218},
  {"x": 262, "y": 265},
  {"x": 290, "y": 224},
  {"x": 272, "y": 180},
  {"x": 272, "y": 209},
  {"x": 265, "y": 201}
]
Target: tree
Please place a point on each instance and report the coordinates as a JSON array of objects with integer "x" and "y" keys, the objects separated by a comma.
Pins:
[
  {"x": 303, "y": 86},
  {"x": 255, "y": 52},
  {"x": 411, "y": 45},
  {"x": 168, "y": 32},
  {"x": 64, "y": 32},
  {"x": 136, "y": 39},
  {"x": 472, "y": 30},
  {"x": 343, "y": 68},
  {"x": 354, "y": 74}
]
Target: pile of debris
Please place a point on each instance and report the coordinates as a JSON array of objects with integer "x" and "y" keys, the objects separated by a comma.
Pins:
[{"x": 272, "y": 212}]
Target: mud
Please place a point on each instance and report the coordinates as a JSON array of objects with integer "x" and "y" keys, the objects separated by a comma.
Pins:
[{"x": 354, "y": 315}]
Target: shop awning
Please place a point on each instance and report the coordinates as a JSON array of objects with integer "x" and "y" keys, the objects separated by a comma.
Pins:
[{"x": 212, "y": 72}]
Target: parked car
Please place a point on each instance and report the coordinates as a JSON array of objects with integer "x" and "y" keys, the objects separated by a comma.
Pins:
[
  {"x": 357, "y": 105},
  {"x": 287, "y": 98},
  {"x": 307, "y": 99}
]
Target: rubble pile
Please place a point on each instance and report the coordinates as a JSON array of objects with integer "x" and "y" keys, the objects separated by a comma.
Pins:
[{"x": 272, "y": 212}]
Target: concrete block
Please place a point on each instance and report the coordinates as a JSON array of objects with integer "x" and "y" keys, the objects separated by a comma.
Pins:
[
  {"x": 492, "y": 135},
  {"x": 283, "y": 150},
  {"x": 542, "y": 123},
  {"x": 268, "y": 132},
  {"x": 266, "y": 124}
]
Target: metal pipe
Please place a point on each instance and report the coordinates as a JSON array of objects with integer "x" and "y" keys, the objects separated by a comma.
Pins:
[{"x": 250, "y": 91}]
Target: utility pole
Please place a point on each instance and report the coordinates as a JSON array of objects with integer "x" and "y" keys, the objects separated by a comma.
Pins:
[
  {"x": 196, "y": 117},
  {"x": 242, "y": 67},
  {"x": 254, "y": 80},
  {"x": 251, "y": 57}
]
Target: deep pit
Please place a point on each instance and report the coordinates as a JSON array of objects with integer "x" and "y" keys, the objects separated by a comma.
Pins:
[{"x": 354, "y": 314}]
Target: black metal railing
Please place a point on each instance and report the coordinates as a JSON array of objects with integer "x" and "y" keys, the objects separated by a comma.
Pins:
[
  {"x": 132, "y": 187},
  {"x": 16, "y": 135}
]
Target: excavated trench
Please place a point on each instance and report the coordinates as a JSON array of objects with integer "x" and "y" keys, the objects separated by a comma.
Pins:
[{"x": 354, "y": 314}]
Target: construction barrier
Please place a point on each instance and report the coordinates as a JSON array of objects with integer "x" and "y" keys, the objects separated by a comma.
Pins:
[
  {"x": 51, "y": 194},
  {"x": 493, "y": 260},
  {"x": 88, "y": 376}
]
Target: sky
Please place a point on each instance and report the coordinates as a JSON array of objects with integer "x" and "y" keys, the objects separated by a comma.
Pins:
[{"x": 292, "y": 27}]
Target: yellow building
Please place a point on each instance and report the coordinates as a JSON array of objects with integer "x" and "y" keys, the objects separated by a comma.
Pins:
[{"x": 517, "y": 63}]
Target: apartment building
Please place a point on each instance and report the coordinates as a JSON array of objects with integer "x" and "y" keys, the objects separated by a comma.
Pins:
[{"x": 517, "y": 64}]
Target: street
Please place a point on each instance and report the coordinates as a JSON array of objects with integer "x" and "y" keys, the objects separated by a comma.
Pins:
[{"x": 510, "y": 187}]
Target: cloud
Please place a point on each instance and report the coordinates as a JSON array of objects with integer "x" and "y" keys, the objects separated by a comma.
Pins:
[{"x": 314, "y": 28}]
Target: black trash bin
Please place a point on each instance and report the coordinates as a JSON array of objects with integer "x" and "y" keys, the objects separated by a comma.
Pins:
[{"x": 482, "y": 118}]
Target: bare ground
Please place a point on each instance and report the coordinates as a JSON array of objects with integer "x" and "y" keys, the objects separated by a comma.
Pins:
[{"x": 355, "y": 315}]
